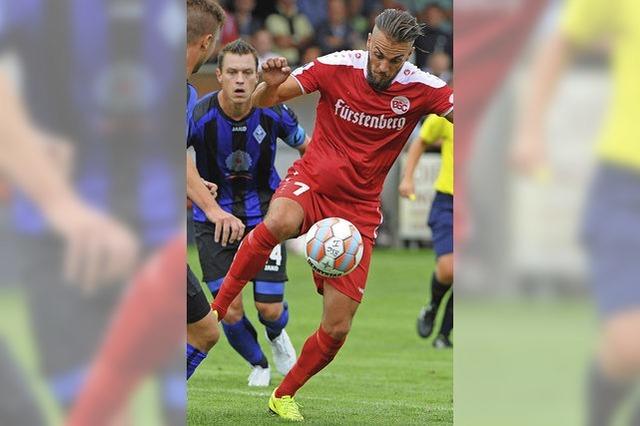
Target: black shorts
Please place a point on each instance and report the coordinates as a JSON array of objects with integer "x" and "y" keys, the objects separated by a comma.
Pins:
[
  {"x": 215, "y": 260},
  {"x": 197, "y": 305}
]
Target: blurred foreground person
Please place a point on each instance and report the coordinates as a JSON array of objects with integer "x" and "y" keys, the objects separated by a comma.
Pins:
[
  {"x": 436, "y": 131},
  {"x": 611, "y": 228}
]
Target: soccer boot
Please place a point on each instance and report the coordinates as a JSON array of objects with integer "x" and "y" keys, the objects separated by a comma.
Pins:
[
  {"x": 285, "y": 407},
  {"x": 426, "y": 318},
  {"x": 442, "y": 342},
  {"x": 259, "y": 376},
  {"x": 284, "y": 355}
]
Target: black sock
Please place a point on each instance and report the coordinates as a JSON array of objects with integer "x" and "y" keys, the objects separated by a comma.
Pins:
[
  {"x": 438, "y": 290},
  {"x": 447, "y": 319},
  {"x": 605, "y": 397}
]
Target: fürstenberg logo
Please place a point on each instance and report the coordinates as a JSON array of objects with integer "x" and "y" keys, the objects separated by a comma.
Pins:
[{"x": 343, "y": 111}]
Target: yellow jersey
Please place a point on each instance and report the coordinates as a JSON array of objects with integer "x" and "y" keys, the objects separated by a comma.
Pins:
[
  {"x": 439, "y": 129},
  {"x": 586, "y": 21}
]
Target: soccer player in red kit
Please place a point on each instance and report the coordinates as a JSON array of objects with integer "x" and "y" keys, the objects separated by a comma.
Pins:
[{"x": 370, "y": 103}]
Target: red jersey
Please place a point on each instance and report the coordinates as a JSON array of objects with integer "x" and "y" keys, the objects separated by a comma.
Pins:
[{"x": 360, "y": 132}]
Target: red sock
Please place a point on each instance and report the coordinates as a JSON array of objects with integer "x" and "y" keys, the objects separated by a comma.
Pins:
[
  {"x": 249, "y": 260},
  {"x": 317, "y": 353}
]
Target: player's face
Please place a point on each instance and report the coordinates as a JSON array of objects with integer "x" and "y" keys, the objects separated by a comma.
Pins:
[
  {"x": 386, "y": 58},
  {"x": 238, "y": 77}
]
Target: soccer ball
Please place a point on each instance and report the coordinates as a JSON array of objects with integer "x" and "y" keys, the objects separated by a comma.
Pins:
[{"x": 333, "y": 247}]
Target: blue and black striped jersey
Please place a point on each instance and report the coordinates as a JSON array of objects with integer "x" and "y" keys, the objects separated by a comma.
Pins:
[{"x": 239, "y": 156}]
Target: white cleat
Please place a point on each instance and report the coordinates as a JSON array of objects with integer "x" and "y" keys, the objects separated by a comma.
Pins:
[
  {"x": 259, "y": 376},
  {"x": 284, "y": 355}
]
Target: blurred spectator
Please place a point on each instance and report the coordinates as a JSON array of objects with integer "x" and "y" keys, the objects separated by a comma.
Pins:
[
  {"x": 229, "y": 32},
  {"x": 439, "y": 64},
  {"x": 291, "y": 30},
  {"x": 357, "y": 17},
  {"x": 263, "y": 42},
  {"x": 315, "y": 10},
  {"x": 436, "y": 17},
  {"x": 247, "y": 23},
  {"x": 335, "y": 33},
  {"x": 310, "y": 54},
  {"x": 437, "y": 37}
]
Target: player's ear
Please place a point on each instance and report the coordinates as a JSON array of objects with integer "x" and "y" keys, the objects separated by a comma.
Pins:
[
  {"x": 219, "y": 74},
  {"x": 369, "y": 41},
  {"x": 206, "y": 41}
]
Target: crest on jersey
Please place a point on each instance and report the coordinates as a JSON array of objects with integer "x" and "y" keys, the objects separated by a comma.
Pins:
[
  {"x": 259, "y": 133},
  {"x": 400, "y": 105},
  {"x": 238, "y": 161}
]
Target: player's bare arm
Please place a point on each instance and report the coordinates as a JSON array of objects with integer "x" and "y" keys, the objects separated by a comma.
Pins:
[
  {"x": 199, "y": 191},
  {"x": 91, "y": 257},
  {"x": 228, "y": 228},
  {"x": 528, "y": 153},
  {"x": 302, "y": 148},
  {"x": 407, "y": 186},
  {"x": 277, "y": 85}
]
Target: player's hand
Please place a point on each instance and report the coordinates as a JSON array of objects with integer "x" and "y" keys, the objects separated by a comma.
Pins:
[
  {"x": 407, "y": 188},
  {"x": 528, "y": 154},
  {"x": 212, "y": 187},
  {"x": 275, "y": 71},
  {"x": 228, "y": 228},
  {"x": 99, "y": 250}
]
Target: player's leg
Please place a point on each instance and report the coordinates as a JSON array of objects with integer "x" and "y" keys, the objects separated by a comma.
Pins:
[
  {"x": 616, "y": 371},
  {"x": 215, "y": 261},
  {"x": 284, "y": 220},
  {"x": 202, "y": 325},
  {"x": 317, "y": 352},
  {"x": 243, "y": 337},
  {"x": 441, "y": 224},
  {"x": 611, "y": 233},
  {"x": 18, "y": 404},
  {"x": 443, "y": 339},
  {"x": 273, "y": 313},
  {"x": 134, "y": 343}
]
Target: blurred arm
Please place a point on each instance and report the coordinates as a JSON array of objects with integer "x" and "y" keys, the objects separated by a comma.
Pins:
[
  {"x": 25, "y": 161},
  {"x": 547, "y": 69}
]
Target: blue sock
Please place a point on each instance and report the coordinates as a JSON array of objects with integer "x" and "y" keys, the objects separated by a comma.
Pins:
[
  {"x": 174, "y": 398},
  {"x": 194, "y": 358},
  {"x": 274, "y": 328},
  {"x": 244, "y": 339}
]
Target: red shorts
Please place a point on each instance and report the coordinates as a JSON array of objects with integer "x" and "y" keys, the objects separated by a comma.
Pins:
[{"x": 365, "y": 216}]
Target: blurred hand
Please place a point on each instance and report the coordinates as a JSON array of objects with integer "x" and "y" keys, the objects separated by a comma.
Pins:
[
  {"x": 407, "y": 188},
  {"x": 99, "y": 250},
  {"x": 212, "y": 187},
  {"x": 528, "y": 154},
  {"x": 228, "y": 228},
  {"x": 275, "y": 71}
]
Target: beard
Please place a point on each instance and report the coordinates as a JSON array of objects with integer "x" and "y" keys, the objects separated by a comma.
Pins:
[{"x": 377, "y": 85}]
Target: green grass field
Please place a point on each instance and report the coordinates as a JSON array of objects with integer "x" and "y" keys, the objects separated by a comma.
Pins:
[{"x": 385, "y": 374}]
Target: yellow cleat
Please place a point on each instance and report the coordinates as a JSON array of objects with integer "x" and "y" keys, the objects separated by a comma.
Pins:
[{"x": 285, "y": 407}]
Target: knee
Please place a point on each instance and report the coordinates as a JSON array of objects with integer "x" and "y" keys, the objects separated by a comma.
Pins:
[
  {"x": 204, "y": 334},
  {"x": 269, "y": 311},
  {"x": 620, "y": 351},
  {"x": 282, "y": 225},
  {"x": 444, "y": 270},
  {"x": 338, "y": 330},
  {"x": 235, "y": 312},
  {"x": 210, "y": 338}
]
